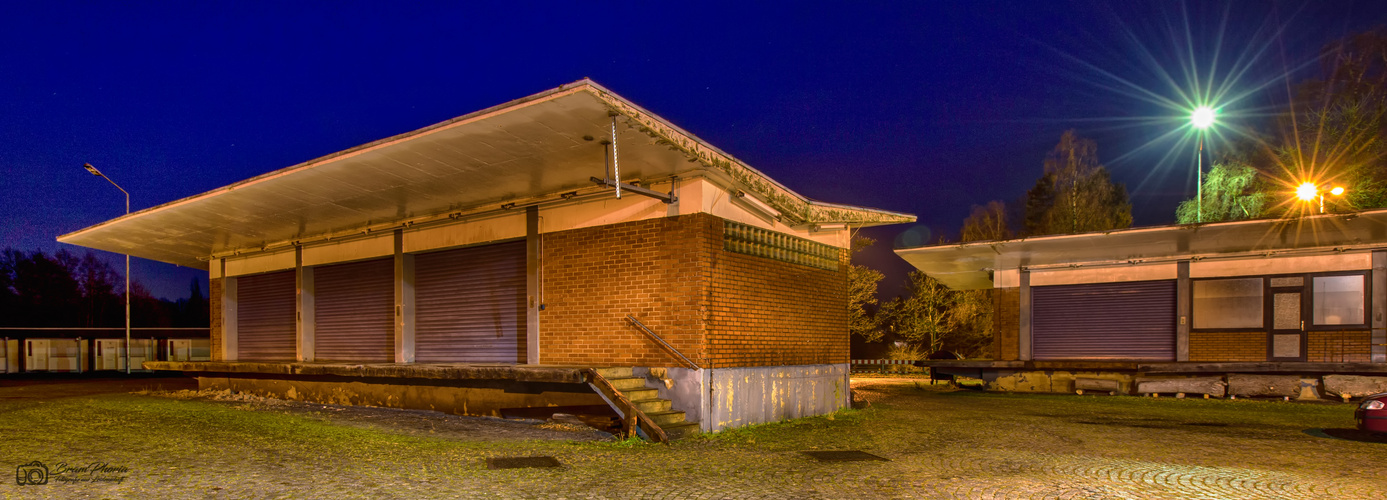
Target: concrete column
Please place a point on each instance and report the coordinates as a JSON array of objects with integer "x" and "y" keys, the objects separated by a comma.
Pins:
[
  {"x": 229, "y": 322},
  {"x": 1378, "y": 307},
  {"x": 304, "y": 307},
  {"x": 1024, "y": 319},
  {"x": 1182, "y": 311},
  {"x": 533, "y": 293},
  {"x": 404, "y": 301}
]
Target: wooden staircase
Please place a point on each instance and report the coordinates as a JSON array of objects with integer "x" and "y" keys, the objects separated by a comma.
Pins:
[{"x": 653, "y": 417}]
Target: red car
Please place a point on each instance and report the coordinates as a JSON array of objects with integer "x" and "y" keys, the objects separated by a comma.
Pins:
[{"x": 1372, "y": 413}]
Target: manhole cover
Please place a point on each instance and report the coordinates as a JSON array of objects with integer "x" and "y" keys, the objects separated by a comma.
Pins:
[
  {"x": 843, "y": 456},
  {"x": 521, "y": 462}
]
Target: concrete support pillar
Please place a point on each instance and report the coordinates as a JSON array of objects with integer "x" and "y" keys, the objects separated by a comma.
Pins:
[
  {"x": 404, "y": 301},
  {"x": 304, "y": 307},
  {"x": 1378, "y": 307},
  {"x": 1024, "y": 319},
  {"x": 1182, "y": 311},
  {"x": 229, "y": 323},
  {"x": 534, "y": 297}
]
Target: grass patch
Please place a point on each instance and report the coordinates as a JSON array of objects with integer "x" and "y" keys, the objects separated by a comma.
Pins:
[{"x": 834, "y": 429}]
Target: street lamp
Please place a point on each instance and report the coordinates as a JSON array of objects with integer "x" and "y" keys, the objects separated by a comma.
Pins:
[
  {"x": 1202, "y": 118},
  {"x": 1308, "y": 191},
  {"x": 98, "y": 173}
]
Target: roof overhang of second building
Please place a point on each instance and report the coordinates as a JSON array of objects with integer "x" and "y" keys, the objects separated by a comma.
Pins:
[
  {"x": 971, "y": 265},
  {"x": 539, "y": 147}
]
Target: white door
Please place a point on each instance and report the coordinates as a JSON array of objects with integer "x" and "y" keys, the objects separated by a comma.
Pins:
[
  {"x": 180, "y": 350},
  {"x": 108, "y": 351},
  {"x": 36, "y": 355}
]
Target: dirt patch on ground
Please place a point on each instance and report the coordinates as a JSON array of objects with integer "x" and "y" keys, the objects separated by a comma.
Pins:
[{"x": 401, "y": 421}]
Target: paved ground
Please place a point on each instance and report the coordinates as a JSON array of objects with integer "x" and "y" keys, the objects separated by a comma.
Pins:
[{"x": 941, "y": 444}]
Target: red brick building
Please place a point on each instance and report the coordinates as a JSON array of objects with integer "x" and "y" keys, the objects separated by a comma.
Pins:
[
  {"x": 486, "y": 258},
  {"x": 1296, "y": 300}
]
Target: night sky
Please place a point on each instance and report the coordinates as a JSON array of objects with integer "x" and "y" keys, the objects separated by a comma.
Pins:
[{"x": 925, "y": 107}]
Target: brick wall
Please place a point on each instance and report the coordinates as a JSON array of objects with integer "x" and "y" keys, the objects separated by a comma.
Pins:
[
  {"x": 720, "y": 309},
  {"x": 765, "y": 312},
  {"x": 1339, "y": 347},
  {"x": 1228, "y": 346},
  {"x": 1006, "y": 323},
  {"x": 654, "y": 269},
  {"x": 214, "y": 301}
]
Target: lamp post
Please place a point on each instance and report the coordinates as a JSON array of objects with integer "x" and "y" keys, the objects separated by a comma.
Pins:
[
  {"x": 1201, "y": 119},
  {"x": 98, "y": 173}
]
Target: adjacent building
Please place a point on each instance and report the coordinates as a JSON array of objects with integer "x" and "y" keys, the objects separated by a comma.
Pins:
[
  {"x": 1285, "y": 307},
  {"x": 479, "y": 263}
]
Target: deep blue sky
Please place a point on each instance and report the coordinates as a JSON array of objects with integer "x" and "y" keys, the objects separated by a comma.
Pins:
[{"x": 926, "y": 107}]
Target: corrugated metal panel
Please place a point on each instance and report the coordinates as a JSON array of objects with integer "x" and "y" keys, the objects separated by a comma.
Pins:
[
  {"x": 469, "y": 305},
  {"x": 1131, "y": 320},
  {"x": 265, "y": 317},
  {"x": 355, "y": 311}
]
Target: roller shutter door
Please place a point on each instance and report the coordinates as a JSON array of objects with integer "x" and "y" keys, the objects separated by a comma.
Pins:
[
  {"x": 1133, "y": 320},
  {"x": 265, "y": 329},
  {"x": 470, "y": 305},
  {"x": 355, "y": 311}
]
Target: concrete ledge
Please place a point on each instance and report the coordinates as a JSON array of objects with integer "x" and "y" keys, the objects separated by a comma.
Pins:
[
  {"x": 955, "y": 366},
  {"x": 522, "y": 373}
]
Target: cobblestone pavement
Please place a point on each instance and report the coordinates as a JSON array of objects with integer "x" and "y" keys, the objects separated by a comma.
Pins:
[{"x": 941, "y": 444}]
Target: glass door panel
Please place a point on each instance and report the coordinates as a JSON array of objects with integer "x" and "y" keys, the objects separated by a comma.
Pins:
[{"x": 1286, "y": 341}]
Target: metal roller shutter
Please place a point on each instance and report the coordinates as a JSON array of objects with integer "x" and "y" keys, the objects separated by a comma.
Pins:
[
  {"x": 1133, "y": 320},
  {"x": 265, "y": 328},
  {"x": 355, "y": 311},
  {"x": 470, "y": 305}
]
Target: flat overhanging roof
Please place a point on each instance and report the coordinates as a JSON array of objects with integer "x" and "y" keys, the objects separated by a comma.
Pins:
[
  {"x": 969, "y": 265},
  {"x": 524, "y": 149}
]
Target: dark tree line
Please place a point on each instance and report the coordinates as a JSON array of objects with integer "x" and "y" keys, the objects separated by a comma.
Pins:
[
  {"x": 65, "y": 290},
  {"x": 1074, "y": 194}
]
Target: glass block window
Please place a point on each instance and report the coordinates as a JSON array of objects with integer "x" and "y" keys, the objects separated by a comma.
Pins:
[
  {"x": 752, "y": 240},
  {"x": 1228, "y": 303},
  {"x": 1338, "y": 300}
]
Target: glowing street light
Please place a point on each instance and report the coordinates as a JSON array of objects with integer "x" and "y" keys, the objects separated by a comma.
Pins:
[
  {"x": 1202, "y": 118},
  {"x": 1308, "y": 191}
]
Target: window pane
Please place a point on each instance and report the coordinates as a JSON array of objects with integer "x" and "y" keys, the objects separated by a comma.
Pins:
[
  {"x": 1230, "y": 303},
  {"x": 1338, "y": 300},
  {"x": 1285, "y": 313}
]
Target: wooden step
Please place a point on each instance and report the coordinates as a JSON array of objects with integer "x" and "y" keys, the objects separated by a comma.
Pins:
[
  {"x": 677, "y": 431},
  {"x": 643, "y": 393},
  {"x": 667, "y": 417},
  {"x": 616, "y": 372},
  {"x": 626, "y": 384},
  {"x": 649, "y": 405}
]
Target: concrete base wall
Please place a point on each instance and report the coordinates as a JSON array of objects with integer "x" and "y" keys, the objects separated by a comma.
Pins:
[
  {"x": 461, "y": 397},
  {"x": 1131, "y": 383},
  {"x": 1052, "y": 381},
  {"x": 754, "y": 395}
]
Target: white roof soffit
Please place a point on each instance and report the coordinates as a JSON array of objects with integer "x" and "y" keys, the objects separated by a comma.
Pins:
[
  {"x": 519, "y": 151},
  {"x": 969, "y": 265}
]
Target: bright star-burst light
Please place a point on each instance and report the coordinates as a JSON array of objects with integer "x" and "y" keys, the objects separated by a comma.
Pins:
[
  {"x": 1203, "y": 117},
  {"x": 1307, "y": 191}
]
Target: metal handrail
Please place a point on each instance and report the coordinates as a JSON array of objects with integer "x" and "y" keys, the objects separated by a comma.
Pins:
[{"x": 662, "y": 342}]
